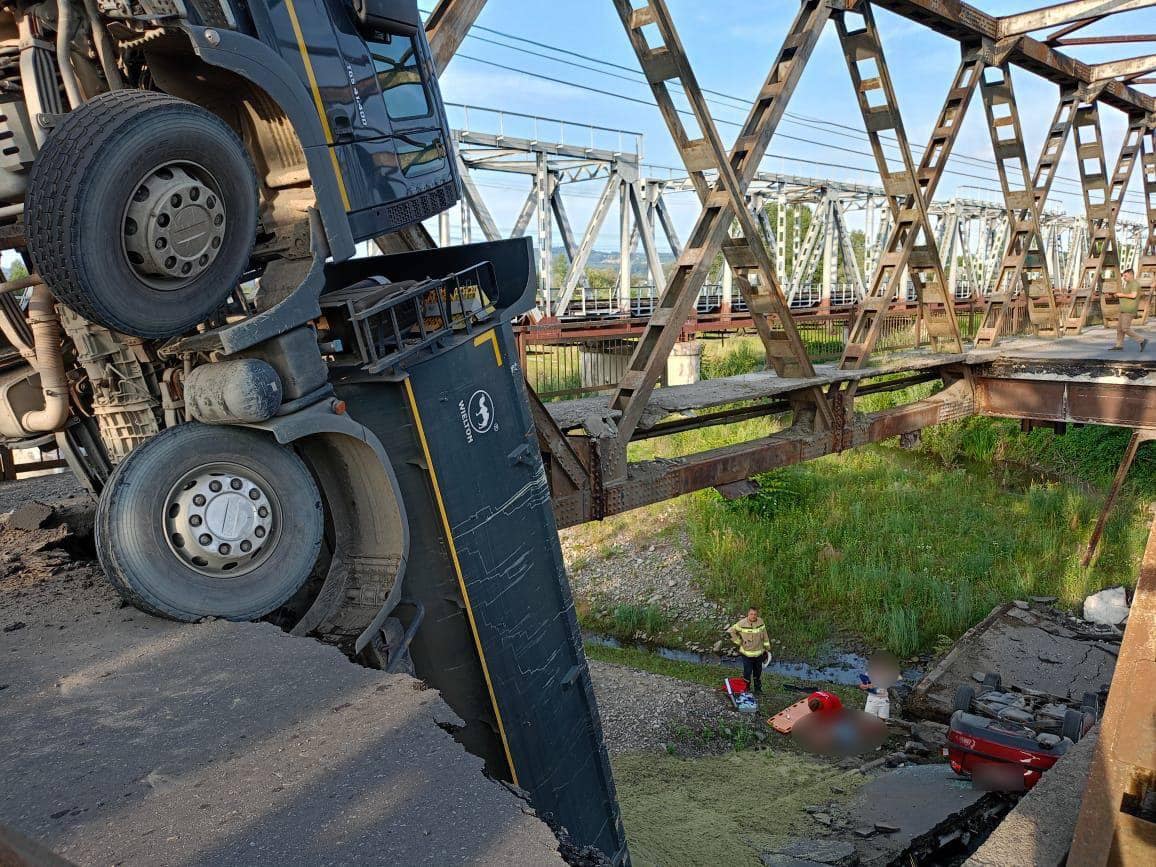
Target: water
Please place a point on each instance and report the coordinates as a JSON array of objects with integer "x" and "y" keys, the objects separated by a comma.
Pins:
[{"x": 842, "y": 667}]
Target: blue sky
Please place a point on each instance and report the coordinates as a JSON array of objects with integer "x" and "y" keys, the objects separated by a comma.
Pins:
[{"x": 731, "y": 45}]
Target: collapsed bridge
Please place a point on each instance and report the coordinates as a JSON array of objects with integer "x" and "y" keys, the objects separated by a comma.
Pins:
[{"x": 411, "y": 366}]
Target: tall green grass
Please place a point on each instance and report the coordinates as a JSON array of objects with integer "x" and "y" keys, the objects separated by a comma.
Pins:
[
  {"x": 1088, "y": 454},
  {"x": 886, "y": 546}
]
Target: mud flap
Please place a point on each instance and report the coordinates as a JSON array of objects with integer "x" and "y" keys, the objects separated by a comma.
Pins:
[{"x": 500, "y": 638}]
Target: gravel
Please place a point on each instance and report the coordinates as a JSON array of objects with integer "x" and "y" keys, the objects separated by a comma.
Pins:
[
  {"x": 46, "y": 489},
  {"x": 643, "y": 712},
  {"x": 624, "y": 561}
]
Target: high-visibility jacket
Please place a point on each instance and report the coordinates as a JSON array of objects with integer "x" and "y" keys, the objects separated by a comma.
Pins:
[{"x": 751, "y": 638}]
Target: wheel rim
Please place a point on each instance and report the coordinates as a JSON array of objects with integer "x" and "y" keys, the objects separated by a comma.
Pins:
[
  {"x": 174, "y": 225},
  {"x": 222, "y": 520}
]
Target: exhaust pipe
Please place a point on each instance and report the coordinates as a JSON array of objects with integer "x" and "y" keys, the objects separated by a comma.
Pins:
[{"x": 44, "y": 355}]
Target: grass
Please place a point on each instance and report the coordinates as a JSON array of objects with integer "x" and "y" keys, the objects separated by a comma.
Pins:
[
  {"x": 896, "y": 549},
  {"x": 900, "y": 551},
  {"x": 1086, "y": 455}
]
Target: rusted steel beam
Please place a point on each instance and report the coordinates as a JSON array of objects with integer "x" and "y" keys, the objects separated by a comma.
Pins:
[
  {"x": 713, "y": 226},
  {"x": 1065, "y": 13},
  {"x": 1131, "y": 66},
  {"x": 1147, "y": 275},
  {"x": 910, "y": 247},
  {"x": 1138, "y": 436},
  {"x": 654, "y": 481},
  {"x": 1103, "y": 201},
  {"x": 1059, "y": 400},
  {"x": 667, "y": 61},
  {"x": 963, "y": 21},
  {"x": 447, "y": 26},
  {"x": 1115, "y": 825},
  {"x": 1118, "y": 39},
  {"x": 1024, "y": 266}
]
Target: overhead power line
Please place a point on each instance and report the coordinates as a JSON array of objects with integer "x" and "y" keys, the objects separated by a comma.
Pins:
[
  {"x": 818, "y": 124},
  {"x": 638, "y": 101}
]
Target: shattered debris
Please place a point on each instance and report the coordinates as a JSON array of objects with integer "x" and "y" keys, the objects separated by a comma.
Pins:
[
  {"x": 1043, "y": 652},
  {"x": 1108, "y": 607},
  {"x": 30, "y": 516}
]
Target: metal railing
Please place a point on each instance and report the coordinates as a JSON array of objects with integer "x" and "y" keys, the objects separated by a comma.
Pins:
[{"x": 516, "y": 124}]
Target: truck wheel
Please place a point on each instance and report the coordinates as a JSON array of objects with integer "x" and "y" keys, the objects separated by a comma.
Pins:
[
  {"x": 209, "y": 521},
  {"x": 993, "y": 682},
  {"x": 141, "y": 212},
  {"x": 964, "y": 696}
]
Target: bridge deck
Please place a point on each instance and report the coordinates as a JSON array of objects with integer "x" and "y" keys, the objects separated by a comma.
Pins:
[{"x": 1086, "y": 357}]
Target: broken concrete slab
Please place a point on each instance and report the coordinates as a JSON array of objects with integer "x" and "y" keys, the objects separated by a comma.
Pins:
[
  {"x": 1011, "y": 641},
  {"x": 136, "y": 741},
  {"x": 909, "y": 802},
  {"x": 1108, "y": 607},
  {"x": 1038, "y": 831},
  {"x": 834, "y": 852}
]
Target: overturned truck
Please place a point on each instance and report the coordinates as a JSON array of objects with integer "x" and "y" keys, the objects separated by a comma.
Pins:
[{"x": 276, "y": 428}]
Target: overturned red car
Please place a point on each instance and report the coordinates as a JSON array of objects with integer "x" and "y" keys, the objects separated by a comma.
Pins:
[{"x": 1005, "y": 739}]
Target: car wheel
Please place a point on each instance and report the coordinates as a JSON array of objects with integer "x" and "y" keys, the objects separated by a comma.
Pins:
[
  {"x": 1073, "y": 728},
  {"x": 964, "y": 696}
]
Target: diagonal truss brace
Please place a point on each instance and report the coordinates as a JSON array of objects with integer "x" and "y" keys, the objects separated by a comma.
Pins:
[
  {"x": 1147, "y": 270},
  {"x": 1103, "y": 199},
  {"x": 667, "y": 62},
  {"x": 1024, "y": 265},
  {"x": 911, "y": 244},
  {"x": 724, "y": 202}
]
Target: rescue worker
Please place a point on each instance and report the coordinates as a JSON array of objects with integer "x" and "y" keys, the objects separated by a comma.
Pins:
[
  {"x": 750, "y": 637},
  {"x": 1129, "y": 307}
]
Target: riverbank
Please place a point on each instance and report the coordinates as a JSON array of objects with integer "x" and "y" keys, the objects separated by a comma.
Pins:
[{"x": 878, "y": 548}]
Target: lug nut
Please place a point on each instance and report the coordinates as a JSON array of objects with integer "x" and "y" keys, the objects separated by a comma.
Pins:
[{"x": 205, "y": 539}]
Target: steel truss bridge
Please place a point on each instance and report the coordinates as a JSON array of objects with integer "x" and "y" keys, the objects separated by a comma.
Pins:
[
  {"x": 802, "y": 220},
  {"x": 1058, "y": 373}
]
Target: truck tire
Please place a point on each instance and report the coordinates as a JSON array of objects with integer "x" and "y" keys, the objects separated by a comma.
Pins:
[
  {"x": 993, "y": 682},
  {"x": 964, "y": 696},
  {"x": 141, "y": 212},
  {"x": 209, "y": 521}
]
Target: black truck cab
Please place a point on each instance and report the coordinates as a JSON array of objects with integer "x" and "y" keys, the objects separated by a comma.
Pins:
[{"x": 369, "y": 71}]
